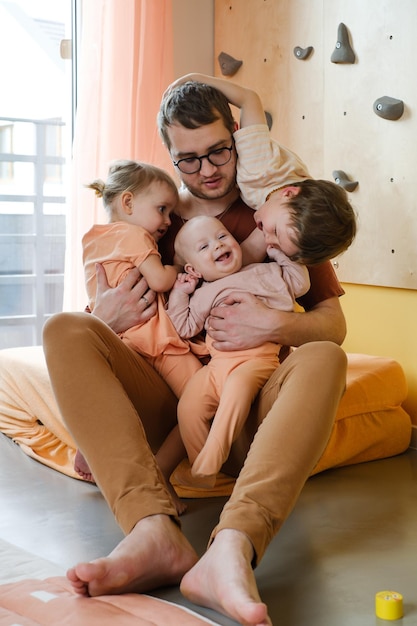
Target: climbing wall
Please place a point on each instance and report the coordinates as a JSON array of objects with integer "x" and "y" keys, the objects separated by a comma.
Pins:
[{"x": 356, "y": 116}]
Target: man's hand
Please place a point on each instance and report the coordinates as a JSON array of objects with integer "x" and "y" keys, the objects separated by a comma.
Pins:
[
  {"x": 129, "y": 304},
  {"x": 242, "y": 321}
]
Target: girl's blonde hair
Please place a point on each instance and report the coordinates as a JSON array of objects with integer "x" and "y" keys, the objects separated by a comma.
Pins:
[{"x": 126, "y": 175}]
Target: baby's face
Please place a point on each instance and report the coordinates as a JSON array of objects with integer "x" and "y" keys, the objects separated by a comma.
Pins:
[
  {"x": 273, "y": 218},
  {"x": 210, "y": 250}
]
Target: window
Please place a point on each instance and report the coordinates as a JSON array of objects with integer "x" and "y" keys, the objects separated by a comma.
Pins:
[
  {"x": 6, "y": 147},
  {"x": 35, "y": 139}
]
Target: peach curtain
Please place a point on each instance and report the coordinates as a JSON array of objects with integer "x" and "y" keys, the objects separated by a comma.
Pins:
[{"x": 125, "y": 64}]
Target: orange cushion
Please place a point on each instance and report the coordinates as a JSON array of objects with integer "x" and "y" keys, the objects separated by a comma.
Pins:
[
  {"x": 374, "y": 383},
  {"x": 370, "y": 423}
]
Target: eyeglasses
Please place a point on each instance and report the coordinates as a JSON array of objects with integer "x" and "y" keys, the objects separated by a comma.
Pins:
[{"x": 191, "y": 165}]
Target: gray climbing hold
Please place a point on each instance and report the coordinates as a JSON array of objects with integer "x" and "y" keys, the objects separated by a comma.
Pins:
[
  {"x": 343, "y": 52},
  {"x": 303, "y": 53},
  {"x": 268, "y": 119},
  {"x": 389, "y": 108},
  {"x": 340, "y": 178},
  {"x": 228, "y": 65}
]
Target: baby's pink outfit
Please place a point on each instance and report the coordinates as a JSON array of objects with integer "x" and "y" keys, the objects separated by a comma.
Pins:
[{"x": 231, "y": 380}]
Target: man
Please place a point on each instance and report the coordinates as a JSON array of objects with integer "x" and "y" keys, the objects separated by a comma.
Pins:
[{"x": 125, "y": 411}]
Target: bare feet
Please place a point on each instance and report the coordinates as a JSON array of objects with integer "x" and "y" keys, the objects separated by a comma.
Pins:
[
  {"x": 82, "y": 468},
  {"x": 154, "y": 554},
  {"x": 223, "y": 580}
]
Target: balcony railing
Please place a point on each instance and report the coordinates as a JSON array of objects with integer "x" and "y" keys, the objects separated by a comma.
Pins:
[{"x": 32, "y": 228}]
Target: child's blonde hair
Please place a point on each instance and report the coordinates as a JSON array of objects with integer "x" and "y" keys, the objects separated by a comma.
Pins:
[{"x": 125, "y": 175}]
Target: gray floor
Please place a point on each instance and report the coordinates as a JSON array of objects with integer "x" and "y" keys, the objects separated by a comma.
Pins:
[{"x": 352, "y": 533}]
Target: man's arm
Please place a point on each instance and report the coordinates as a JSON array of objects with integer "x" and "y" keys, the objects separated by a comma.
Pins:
[
  {"x": 127, "y": 305},
  {"x": 159, "y": 277},
  {"x": 248, "y": 323}
]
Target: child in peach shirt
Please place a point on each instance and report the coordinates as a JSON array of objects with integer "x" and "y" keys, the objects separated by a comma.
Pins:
[{"x": 139, "y": 199}]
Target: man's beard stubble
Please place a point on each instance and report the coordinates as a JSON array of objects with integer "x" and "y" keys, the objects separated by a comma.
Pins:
[{"x": 209, "y": 196}]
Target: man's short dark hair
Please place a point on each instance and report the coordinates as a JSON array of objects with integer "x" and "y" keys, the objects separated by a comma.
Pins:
[{"x": 192, "y": 105}]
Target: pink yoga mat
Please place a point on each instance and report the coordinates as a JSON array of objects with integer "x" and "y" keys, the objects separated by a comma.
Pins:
[{"x": 51, "y": 601}]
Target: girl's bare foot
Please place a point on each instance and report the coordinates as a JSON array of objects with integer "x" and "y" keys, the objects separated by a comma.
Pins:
[
  {"x": 179, "y": 504},
  {"x": 154, "y": 554},
  {"x": 223, "y": 580},
  {"x": 82, "y": 468}
]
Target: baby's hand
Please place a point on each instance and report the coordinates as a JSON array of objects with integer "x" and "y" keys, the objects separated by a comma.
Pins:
[
  {"x": 276, "y": 254},
  {"x": 273, "y": 253},
  {"x": 186, "y": 283}
]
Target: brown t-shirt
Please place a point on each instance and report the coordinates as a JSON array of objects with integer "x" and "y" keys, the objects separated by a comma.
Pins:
[{"x": 238, "y": 219}]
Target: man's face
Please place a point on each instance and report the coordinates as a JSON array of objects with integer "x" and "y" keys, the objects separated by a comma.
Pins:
[{"x": 212, "y": 181}]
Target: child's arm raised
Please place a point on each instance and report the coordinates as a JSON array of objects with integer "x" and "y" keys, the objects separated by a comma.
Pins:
[
  {"x": 159, "y": 277},
  {"x": 247, "y": 100}
]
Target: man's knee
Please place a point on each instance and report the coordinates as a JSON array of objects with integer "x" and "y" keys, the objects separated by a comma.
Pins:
[
  {"x": 312, "y": 362},
  {"x": 64, "y": 327},
  {"x": 325, "y": 354}
]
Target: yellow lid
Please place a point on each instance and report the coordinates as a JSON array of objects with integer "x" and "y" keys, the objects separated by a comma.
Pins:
[{"x": 389, "y": 605}]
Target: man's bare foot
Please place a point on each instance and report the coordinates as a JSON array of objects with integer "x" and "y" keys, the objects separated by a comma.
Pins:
[
  {"x": 223, "y": 580},
  {"x": 82, "y": 468},
  {"x": 155, "y": 554}
]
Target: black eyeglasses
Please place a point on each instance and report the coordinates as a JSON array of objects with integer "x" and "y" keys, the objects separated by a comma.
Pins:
[{"x": 191, "y": 165}]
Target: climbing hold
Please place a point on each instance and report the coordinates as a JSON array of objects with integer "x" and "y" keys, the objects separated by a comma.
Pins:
[
  {"x": 340, "y": 178},
  {"x": 228, "y": 65},
  {"x": 303, "y": 53},
  {"x": 268, "y": 119},
  {"x": 389, "y": 108},
  {"x": 343, "y": 52}
]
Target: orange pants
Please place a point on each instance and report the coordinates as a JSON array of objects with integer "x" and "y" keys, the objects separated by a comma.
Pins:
[
  {"x": 119, "y": 412},
  {"x": 176, "y": 369},
  {"x": 225, "y": 389}
]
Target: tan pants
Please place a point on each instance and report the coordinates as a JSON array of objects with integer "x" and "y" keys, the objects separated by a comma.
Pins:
[{"x": 119, "y": 411}]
